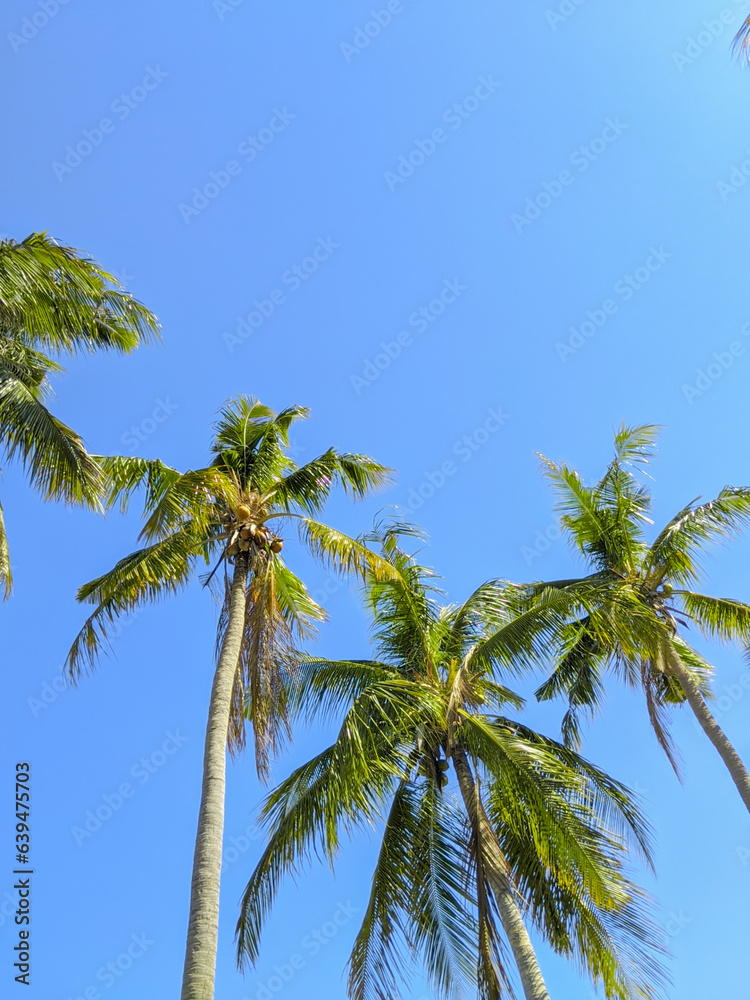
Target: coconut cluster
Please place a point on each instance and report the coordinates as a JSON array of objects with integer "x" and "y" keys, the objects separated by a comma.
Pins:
[
  {"x": 434, "y": 767},
  {"x": 245, "y": 535}
]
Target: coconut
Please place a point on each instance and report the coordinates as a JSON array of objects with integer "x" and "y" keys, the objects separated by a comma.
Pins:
[
  {"x": 243, "y": 512},
  {"x": 443, "y": 765},
  {"x": 245, "y": 531},
  {"x": 244, "y": 544},
  {"x": 233, "y": 549},
  {"x": 277, "y": 545}
]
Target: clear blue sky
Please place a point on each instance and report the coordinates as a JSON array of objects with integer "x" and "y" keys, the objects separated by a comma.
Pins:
[{"x": 305, "y": 129}]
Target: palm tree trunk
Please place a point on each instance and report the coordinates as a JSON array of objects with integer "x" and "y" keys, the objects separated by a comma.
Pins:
[
  {"x": 203, "y": 925},
  {"x": 497, "y": 872},
  {"x": 712, "y": 729}
]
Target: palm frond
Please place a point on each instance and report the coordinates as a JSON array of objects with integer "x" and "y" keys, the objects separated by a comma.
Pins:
[
  {"x": 528, "y": 633},
  {"x": 343, "y": 554},
  {"x": 741, "y": 41},
  {"x": 569, "y": 857},
  {"x": 407, "y": 626},
  {"x": 55, "y": 297},
  {"x": 269, "y": 460},
  {"x": 145, "y": 575},
  {"x": 332, "y": 795},
  {"x": 636, "y": 445},
  {"x": 491, "y": 605},
  {"x": 126, "y": 474},
  {"x": 493, "y": 980},
  {"x": 305, "y": 488},
  {"x": 653, "y": 688},
  {"x": 308, "y": 487},
  {"x": 199, "y": 496},
  {"x": 701, "y": 671},
  {"x": 577, "y": 675},
  {"x": 50, "y": 453},
  {"x": 719, "y": 618},
  {"x": 442, "y": 906},
  {"x": 324, "y": 687},
  {"x": 376, "y": 965},
  {"x": 359, "y": 475},
  {"x": 249, "y": 438},
  {"x": 6, "y": 577},
  {"x": 604, "y": 521},
  {"x": 579, "y": 512},
  {"x": 674, "y": 556},
  {"x": 529, "y": 768},
  {"x": 21, "y": 362},
  {"x": 268, "y": 660}
]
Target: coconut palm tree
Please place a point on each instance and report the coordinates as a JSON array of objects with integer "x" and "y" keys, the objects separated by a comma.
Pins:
[
  {"x": 231, "y": 511},
  {"x": 535, "y": 836},
  {"x": 638, "y": 598},
  {"x": 54, "y": 301}
]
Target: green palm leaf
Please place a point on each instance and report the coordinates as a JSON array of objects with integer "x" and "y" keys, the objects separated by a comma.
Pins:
[
  {"x": 146, "y": 575},
  {"x": 675, "y": 552},
  {"x": 718, "y": 617},
  {"x": 377, "y": 965},
  {"x": 126, "y": 475},
  {"x": 342, "y": 553},
  {"x": 53, "y": 296},
  {"x": 442, "y": 905},
  {"x": 52, "y": 455}
]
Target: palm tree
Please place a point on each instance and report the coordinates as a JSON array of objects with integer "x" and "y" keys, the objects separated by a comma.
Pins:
[
  {"x": 229, "y": 510},
  {"x": 637, "y": 600},
  {"x": 536, "y": 834},
  {"x": 54, "y": 301}
]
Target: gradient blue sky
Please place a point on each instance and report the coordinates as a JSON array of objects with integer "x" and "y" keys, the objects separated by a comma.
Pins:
[{"x": 648, "y": 195}]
